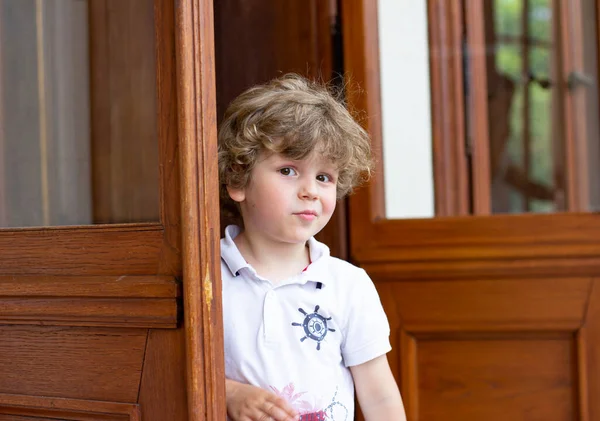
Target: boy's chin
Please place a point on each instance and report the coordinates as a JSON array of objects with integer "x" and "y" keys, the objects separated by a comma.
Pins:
[{"x": 303, "y": 236}]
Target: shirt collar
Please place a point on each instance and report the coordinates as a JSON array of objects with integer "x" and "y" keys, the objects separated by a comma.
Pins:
[
  {"x": 235, "y": 262},
  {"x": 230, "y": 253}
]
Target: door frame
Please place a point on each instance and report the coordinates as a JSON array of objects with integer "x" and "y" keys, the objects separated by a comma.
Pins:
[{"x": 197, "y": 122}]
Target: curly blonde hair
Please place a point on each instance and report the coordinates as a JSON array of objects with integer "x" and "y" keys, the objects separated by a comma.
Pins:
[{"x": 292, "y": 116}]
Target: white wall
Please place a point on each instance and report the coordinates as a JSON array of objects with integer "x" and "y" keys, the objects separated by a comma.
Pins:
[{"x": 406, "y": 108}]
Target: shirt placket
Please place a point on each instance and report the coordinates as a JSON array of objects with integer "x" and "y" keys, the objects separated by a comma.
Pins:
[{"x": 272, "y": 314}]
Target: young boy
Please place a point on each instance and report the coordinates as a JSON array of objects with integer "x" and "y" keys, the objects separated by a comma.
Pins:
[{"x": 302, "y": 329}]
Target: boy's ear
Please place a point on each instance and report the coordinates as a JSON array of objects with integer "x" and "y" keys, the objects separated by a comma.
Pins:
[{"x": 236, "y": 194}]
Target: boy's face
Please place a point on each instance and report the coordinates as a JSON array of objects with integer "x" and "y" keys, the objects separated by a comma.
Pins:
[{"x": 288, "y": 201}]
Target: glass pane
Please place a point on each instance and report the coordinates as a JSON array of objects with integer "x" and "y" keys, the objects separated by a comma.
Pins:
[
  {"x": 543, "y": 121},
  {"x": 78, "y": 141}
]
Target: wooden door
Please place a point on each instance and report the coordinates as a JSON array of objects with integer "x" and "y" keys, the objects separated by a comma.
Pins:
[
  {"x": 493, "y": 317},
  {"x": 118, "y": 319}
]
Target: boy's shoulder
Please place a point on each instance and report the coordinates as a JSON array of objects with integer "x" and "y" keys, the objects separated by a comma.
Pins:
[
  {"x": 343, "y": 274},
  {"x": 339, "y": 265}
]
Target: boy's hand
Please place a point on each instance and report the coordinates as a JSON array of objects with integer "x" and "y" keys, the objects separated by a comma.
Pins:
[{"x": 251, "y": 403}]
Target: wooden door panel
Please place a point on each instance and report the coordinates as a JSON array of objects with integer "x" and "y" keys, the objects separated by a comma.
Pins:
[
  {"x": 495, "y": 349},
  {"x": 497, "y": 379},
  {"x": 124, "y": 131},
  {"x": 30, "y": 408},
  {"x": 91, "y": 374},
  {"x": 80, "y": 363},
  {"x": 487, "y": 305},
  {"x": 164, "y": 375}
]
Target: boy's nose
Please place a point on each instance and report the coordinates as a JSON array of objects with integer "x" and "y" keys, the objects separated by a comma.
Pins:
[{"x": 309, "y": 190}]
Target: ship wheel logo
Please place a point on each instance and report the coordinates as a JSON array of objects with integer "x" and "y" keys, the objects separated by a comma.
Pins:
[{"x": 315, "y": 326}]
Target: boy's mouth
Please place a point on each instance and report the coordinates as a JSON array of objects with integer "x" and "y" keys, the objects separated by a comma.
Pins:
[{"x": 307, "y": 215}]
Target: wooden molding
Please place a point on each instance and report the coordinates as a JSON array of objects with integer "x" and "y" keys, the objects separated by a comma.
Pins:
[
  {"x": 477, "y": 114},
  {"x": 3, "y": 204},
  {"x": 102, "y": 364},
  {"x": 490, "y": 306},
  {"x": 200, "y": 215},
  {"x": 132, "y": 249},
  {"x": 162, "y": 394},
  {"x": 588, "y": 341},
  {"x": 493, "y": 246},
  {"x": 361, "y": 66},
  {"x": 125, "y": 301},
  {"x": 55, "y": 408},
  {"x": 447, "y": 108},
  {"x": 168, "y": 150},
  {"x": 409, "y": 377},
  {"x": 125, "y": 286}
]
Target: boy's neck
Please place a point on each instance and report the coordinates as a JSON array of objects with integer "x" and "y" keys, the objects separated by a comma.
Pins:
[{"x": 273, "y": 261}]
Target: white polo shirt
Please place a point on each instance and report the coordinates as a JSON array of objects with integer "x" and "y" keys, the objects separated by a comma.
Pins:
[{"x": 298, "y": 338}]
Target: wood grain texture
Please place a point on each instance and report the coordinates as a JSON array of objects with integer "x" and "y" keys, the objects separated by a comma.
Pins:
[
  {"x": 33, "y": 408},
  {"x": 510, "y": 305},
  {"x": 124, "y": 111},
  {"x": 163, "y": 388},
  {"x": 3, "y": 181},
  {"x": 361, "y": 64},
  {"x": 477, "y": 103},
  {"x": 448, "y": 107},
  {"x": 570, "y": 45},
  {"x": 105, "y": 312},
  {"x": 89, "y": 286},
  {"x": 168, "y": 150},
  {"x": 124, "y": 301},
  {"x": 497, "y": 379},
  {"x": 500, "y": 246},
  {"x": 131, "y": 249},
  {"x": 408, "y": 371},
  {"x": 70, "y": 362},
  {"x": 5, "y": 417},
  {"x": 589, "y": 358},
  {"x": 488, "y": 349},
  {"x": 200, "y": 226}
]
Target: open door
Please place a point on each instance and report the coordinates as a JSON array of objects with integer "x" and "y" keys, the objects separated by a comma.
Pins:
[
  {"x": 494, "y": 316},
  {"x": 110, "y": 304}
]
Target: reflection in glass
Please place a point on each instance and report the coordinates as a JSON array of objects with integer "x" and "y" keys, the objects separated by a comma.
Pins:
[
  {"x": 78, "y": 140},
  {"x": 543, "y": 131}
]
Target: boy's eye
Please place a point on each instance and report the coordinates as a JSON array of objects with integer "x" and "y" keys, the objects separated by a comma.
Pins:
[
  {"x": 324, "y": 178},
  {"x": 287, "y": 171}
]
